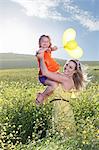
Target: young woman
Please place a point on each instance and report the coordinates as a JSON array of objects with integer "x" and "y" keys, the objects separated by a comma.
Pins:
[{"x": 71, "y": 78}]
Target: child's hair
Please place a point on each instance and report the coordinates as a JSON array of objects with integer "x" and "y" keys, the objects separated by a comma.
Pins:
[{"x": 46, "y": 37}]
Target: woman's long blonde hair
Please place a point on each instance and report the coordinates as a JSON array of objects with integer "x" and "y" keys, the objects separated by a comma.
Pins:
[{"x": 79, "y": 77}]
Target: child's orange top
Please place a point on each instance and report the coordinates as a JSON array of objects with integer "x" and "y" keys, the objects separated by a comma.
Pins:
[{"x": 51, "y": 64}]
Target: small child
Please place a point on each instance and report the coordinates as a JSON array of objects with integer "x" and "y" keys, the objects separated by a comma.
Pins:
[{"x": 52, "y": 65}]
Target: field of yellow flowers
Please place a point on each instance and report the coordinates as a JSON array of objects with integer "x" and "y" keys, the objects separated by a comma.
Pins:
[{"x": 25, "y": 126}]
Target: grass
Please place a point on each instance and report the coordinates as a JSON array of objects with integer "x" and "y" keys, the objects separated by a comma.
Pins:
[{"x": 23, "y": 125}]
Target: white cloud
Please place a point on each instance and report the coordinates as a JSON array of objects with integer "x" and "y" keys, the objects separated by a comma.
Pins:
[
  {"x": 92, "y": 25},
  {"x": 41, "y": 8},
  {"x": 82, "y": 16},
  {"x": 49, "y": 9}
]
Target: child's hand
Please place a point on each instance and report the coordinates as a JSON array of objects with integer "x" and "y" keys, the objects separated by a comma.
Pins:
[{"x": 54, "y": 48}]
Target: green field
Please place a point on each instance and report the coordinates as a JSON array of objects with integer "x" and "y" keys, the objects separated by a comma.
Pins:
[
  {"x": 12, "y": 61},
  {"x": 25, "y": 126}
]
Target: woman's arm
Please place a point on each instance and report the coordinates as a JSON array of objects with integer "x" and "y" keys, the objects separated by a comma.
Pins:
[{"x": 51, "y": 75}]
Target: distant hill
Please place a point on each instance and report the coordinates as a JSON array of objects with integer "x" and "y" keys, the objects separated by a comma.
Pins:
[{"x": 12, "y": 60}]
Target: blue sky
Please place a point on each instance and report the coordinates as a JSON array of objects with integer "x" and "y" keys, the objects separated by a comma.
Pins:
[{"x": 22, "y": 22}]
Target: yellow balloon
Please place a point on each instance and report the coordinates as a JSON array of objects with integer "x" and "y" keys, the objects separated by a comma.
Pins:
[
  {"x": 71, "y": 45},
  {"x": 76, "y": 53},
  {"x": 68, "y": 35}
]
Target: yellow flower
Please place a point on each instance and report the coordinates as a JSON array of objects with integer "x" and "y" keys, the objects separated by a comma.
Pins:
[
  {"x": 97, "y": 131},
  {"x": 84, "y": 132},
  {"x": 83, "y": 142}
]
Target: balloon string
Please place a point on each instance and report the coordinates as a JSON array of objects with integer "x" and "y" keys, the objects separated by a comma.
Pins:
[{"x": 60, "y": 47}]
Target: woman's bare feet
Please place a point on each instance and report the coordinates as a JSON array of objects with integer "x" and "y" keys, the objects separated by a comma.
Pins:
[{"x": 39, "y": 99}]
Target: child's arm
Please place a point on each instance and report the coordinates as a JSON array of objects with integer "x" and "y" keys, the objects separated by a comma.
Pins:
[
  {"x": 54, "y": 48},
  {"x": 46, "y": 49}
]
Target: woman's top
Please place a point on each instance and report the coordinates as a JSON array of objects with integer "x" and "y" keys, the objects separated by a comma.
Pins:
[
  {"x": 63, "y": 117},
  {"x": 61, "y": 93}
]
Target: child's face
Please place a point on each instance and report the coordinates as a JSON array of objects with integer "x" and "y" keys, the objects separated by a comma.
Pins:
[{"x": 45, "y": 43}]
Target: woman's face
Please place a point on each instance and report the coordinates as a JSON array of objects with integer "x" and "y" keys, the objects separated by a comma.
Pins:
[
  {"x": 45, "y": 43},
  {"x": 69, "y": 68}
]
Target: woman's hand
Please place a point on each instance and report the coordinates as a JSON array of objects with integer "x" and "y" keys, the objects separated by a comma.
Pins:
[{"x": 40, "y": 54}]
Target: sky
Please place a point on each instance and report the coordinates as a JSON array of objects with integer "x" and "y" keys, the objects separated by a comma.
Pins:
[{"x": 22, "y": 22}]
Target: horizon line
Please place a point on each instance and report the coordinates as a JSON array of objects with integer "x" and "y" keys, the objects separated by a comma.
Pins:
[{"x": 34, "y": 55}]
